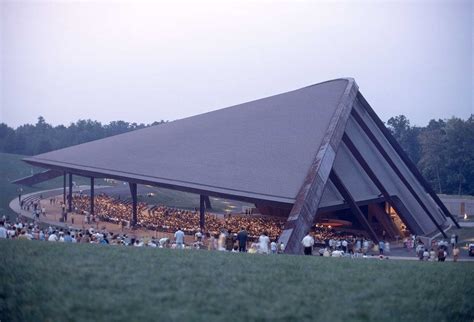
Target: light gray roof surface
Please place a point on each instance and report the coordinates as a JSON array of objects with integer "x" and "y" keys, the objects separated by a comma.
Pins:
[{"x": 262, "y": 149}]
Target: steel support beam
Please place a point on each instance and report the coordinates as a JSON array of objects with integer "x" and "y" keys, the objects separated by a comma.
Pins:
[
  {"x": 64, "y": 189},
  {"x": 305, "y": 208},
  {"x": 406, "y": 159},
  {"x": 384, "y": 219},
  {"x": 352, "y": 204},
  {"x": 69, "y": 202},
  {"x": 208, "y": 202},
  {"x": 394, "y": 167},
  {"x": 92, "y": 196},
  {"x": 133, "y": 192},
  {"x": 202, "y": 211},
  {"x": 370, "y": 173}
]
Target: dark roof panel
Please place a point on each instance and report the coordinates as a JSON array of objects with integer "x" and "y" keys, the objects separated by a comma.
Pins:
[{"x": 262, "y": 148}]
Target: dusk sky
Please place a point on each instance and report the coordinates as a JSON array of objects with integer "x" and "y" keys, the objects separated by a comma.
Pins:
[{"x": 142, "y": 61}]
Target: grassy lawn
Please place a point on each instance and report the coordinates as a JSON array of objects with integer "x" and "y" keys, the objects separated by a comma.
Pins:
[
  {"x": 12, "y": 168},
  {"x": 42, "y": 281}
]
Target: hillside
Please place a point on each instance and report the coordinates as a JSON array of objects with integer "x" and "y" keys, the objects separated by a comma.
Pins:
[
  {"x": 86, "y": 282},
  {"x": 12, "y": 168}
]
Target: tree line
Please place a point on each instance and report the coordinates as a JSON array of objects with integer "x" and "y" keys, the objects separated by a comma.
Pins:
[
  {"x": 443, "y": 150},
  {"x": 32, "y": 139}
]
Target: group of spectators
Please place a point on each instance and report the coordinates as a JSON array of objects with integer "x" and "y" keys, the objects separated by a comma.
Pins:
[
  {"x": 106, "y": 209},
  {"x": 168, "y": 219},
  {"x": 337, "y": 244},
  {"x": 225, "y": 241}
]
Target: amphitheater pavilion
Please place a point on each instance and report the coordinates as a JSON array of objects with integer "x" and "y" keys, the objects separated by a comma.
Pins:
[{"x": 311, "y": 154}]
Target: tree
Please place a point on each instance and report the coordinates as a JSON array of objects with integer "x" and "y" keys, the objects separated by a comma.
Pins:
[
  {"x": 433, "y": 157},
  {"x": 406, "y": 136}
]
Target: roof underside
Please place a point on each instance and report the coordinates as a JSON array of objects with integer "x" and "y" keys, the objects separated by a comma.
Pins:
[{"x": 261, "y": 149}]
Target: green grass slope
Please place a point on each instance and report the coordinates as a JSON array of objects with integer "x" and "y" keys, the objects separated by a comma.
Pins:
[
  {"x": 12, "y": 168},
  {"x": 42, "y": 281}
]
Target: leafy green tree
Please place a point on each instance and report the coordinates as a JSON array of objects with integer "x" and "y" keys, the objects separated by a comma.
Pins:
[{"x": 406, "y": 135}]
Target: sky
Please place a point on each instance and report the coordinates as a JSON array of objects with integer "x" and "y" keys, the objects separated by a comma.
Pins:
[{"x": 142, "y": 60}]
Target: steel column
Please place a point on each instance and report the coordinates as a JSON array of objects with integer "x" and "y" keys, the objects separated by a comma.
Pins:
[
  {"x": 406, "y": 159},
  {"x": 394, "y": 167},
  {"x": 64, "y": 190},
  {"x": 370, "y": 173},
  {"x": 202, "y": 211},
  {"x": 208, "y": 202},
  {"x": 384, "y": 219},
  {"x": 350, "y": 200},
  {"x": 133, "y": 192},
  {"x": 70, "y": 193},
  {"x": 92, "y": 196}
]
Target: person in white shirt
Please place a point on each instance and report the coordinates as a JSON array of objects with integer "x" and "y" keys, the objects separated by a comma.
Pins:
[
  {"x": 337, "y": 253},
  {"x": 263, "y": 242},
  {"x": 3, "y": 231},
  {"x": 281, "y": 247},
  {"x": 344, "y": 245},
  {"x": 221, "y": 241},
  {"x": 164, "y": 242},
  {"x": 53, "y": 237},
  {"x": 273, "y": 247},
  {"x": 179, "y": 237},
  {"x": 198, "y": 236},
  {"x": 308, "y": 242}
]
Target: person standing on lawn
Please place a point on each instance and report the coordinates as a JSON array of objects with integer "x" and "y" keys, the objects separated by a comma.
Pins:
[
  {"x": 242, "y": 237},
  {"x": 308, "y": 242}
]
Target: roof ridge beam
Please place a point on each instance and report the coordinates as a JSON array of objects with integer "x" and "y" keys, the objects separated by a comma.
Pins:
[{"x": 307, "y": 202}]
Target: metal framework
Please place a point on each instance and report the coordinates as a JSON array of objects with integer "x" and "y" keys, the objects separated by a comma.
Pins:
[
  {"x": 352, "y": 204},
  {"x": 69, "y": 201},
  {"x": 133, "y": 192},
  {"x": 202, "y": 211},
  {"x": 92, "y": 196},
  {"x": 394, "y": 167}
]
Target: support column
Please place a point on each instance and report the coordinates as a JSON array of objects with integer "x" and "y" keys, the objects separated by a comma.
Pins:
[
  {"x": 92, "y": 196},
  {"x": 395, "y": 169},
  {"x": 373, "y": 177},
  {"x": 393, "y": 142},
  {"x": 64, "y": 189},
  {"x": 69, "y": 202},
  {"x": 384, "y": 219},
  {"x": 202, "y": 211},
  {"x": 208, "y": 202},
  {"x": 133, "y": 192},
  {"x": 350, "y": 200}
]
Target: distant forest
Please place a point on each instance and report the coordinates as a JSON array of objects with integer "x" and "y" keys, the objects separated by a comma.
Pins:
[{"x": 443, "y": 150}]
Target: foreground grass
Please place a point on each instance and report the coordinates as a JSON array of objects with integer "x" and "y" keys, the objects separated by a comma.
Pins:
[{"x": 42, "y": 281}]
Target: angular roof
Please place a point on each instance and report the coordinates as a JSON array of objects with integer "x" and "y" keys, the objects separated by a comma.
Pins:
[{"x": 260, "y": 149}]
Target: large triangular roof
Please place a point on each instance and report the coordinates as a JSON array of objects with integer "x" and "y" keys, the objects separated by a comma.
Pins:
[
  {"x": 260, "y": 149},
  {"x": 308, "y": 150}
]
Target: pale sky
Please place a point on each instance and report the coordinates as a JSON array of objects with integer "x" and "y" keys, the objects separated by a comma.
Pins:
[{"x": 142, "y": 61}]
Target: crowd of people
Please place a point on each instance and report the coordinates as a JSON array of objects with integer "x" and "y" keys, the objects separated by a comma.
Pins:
[
  {"x": 231, "y": 232},
  {"x": 338, "y": 245},
  {"x": 168, "y": 219}
]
